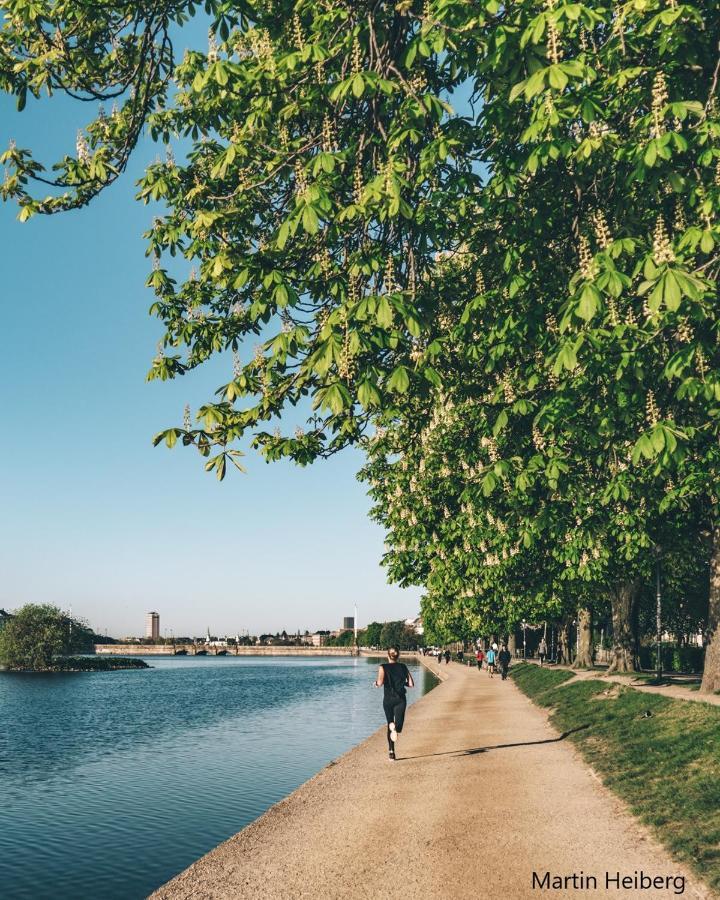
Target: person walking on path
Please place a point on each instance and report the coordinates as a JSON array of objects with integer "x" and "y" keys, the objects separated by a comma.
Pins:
[
  {"x": 542, "y": 650},
  {"x": 491, "y": 662},
  {"x": 479, "y": 656},
  {"x": 461, "y": 656},
  {"x": 394, "y": 677},
  {"x": 504, "y": 658},
  {"x": 447, "y": 657}
]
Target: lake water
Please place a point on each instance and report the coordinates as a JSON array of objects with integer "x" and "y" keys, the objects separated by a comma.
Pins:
[{"x": 111, "y": 783}]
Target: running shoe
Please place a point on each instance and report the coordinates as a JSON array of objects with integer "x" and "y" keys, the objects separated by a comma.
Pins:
[
  {"x": 391, "y": 753},
  {"x": 393, "y": 732}
]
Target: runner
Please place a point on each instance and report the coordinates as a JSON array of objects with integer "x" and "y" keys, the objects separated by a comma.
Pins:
[
  {"x": 394, "y": 676},
  {"x": 479, "y": 656}
]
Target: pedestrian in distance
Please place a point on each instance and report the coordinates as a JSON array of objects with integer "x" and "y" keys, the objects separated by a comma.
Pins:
[
  {"x": 394, "y": 677},
  {"x": 504, "y": 657},
  {"x": 447, "y": 657},
  {"x": 542, "y": 650},
  {"x": 491, "y": 662},
  {"x": 479, "y": 657},
  {"x": 461, "y": 656}
]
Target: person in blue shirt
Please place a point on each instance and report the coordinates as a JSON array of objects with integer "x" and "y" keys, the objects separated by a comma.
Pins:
[{"x": 490, "y": 658}]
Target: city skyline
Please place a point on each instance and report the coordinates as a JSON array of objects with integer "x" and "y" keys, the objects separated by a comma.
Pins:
[{"x": 153, "y": 621}]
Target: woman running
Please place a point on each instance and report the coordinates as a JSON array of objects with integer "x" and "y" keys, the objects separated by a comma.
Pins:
[{"x": 394, "y": 676}]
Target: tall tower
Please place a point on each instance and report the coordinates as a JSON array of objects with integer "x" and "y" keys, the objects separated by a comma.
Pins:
[{"x": 152, "y": 625}]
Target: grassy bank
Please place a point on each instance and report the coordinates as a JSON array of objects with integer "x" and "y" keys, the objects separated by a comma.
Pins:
[{"x": 665, "y": 765}]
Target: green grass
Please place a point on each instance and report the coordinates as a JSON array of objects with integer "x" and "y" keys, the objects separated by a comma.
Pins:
[
  {"x": 534, "y": 680},
  {"x": 666, "y": 767}
]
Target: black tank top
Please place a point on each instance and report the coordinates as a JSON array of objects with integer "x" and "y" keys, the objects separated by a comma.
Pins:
[{"x": 396, "y": 675}]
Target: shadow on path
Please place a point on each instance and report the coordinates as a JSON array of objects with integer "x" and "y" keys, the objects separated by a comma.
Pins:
[{"x": 475, "y": 750}]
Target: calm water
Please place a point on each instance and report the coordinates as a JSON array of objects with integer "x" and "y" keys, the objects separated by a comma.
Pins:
[{"x": 110, "y": 783}]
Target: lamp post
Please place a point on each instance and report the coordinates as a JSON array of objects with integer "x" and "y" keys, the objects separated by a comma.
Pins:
[
  {"x": 524, "y": 627},
  {"x": 658, "y": 614}
]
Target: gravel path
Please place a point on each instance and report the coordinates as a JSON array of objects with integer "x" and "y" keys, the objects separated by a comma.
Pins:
[{"x": 483, "y": 794}]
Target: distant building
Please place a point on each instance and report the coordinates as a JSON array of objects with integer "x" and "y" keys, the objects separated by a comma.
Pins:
[
  {"x": 152, "y": 625},
  {"x": 319, "y": 639},
  {"x": 348, "y": 623}
]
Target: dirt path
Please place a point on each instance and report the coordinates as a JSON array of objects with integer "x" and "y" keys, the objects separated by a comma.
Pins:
[{"x": 366, "y": 827}]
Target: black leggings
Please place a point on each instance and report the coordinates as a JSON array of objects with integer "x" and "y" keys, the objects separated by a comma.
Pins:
[{"x": 394, "y": 712}]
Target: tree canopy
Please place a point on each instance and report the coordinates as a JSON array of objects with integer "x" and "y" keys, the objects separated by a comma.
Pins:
[
  {"x": 34, "y": 636},
  {"x": 487, "y": 231}
]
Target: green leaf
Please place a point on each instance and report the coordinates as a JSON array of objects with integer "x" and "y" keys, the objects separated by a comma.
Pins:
[
  {"x": 383, "y": 312},
  {"x": 589, "y": 302},
  {"x": 336, "y": 398},
  {"x": 671, "y": 291},
  {"x": 283, "y": 235},
  {"x": 517, "y": 90},
  {"x": 557, "y": 77},
  {"x": 707, "y": 242},
  {"x": 368, "y": 395},
  {"x": 489, "y": 483},
  {"x": 358, "y": 85},
  {"x": 433, "y": 376},
  {"x": 500, "y": 422},
  {"x": 221, "y": 75},
  {"x": 399, "y": 381},
  {"x": 535, "y": 84},
  {"x": 310, "y": 220}
]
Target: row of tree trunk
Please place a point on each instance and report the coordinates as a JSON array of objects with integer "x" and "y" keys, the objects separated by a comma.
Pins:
[{"x": 624, "y": 600}]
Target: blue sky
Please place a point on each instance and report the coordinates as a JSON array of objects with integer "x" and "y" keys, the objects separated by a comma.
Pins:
[{"x": 92, "y": 515}]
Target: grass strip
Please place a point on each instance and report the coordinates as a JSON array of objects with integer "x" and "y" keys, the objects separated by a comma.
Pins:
[{"x": 662, "y": 756}]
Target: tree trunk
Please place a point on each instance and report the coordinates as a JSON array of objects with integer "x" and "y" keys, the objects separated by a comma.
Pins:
[
  {"x": 512, "y": 643},
  {"x": 711, "y": 671},
  {"x": 586, "y": 651},
  {"x": 624, "y": 601}
]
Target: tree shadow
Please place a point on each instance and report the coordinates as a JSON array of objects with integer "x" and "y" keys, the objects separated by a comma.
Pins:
[
  {"x": 668, "y": 681},
  {"x": 475, "y": 750}
]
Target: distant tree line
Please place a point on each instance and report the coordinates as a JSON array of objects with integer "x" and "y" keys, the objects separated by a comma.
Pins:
[{"x": 379, "y": 634}]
